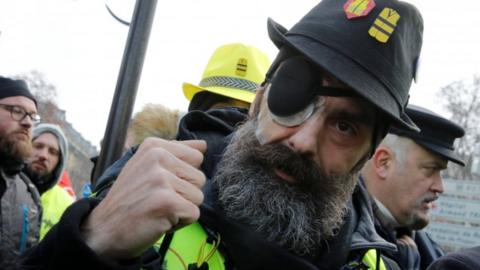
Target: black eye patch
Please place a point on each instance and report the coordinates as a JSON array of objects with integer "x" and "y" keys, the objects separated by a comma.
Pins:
[
  {"x": 291, "y": 87},
  {"x": 295, "y": 85}
]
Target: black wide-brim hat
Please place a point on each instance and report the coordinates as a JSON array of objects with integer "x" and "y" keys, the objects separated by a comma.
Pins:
[
  {"x": 349, "y": 49},
  {"x": 437, "y": 133}
]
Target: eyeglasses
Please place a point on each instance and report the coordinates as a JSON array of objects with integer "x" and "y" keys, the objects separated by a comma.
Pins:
[{"x": 18, "y": 113}]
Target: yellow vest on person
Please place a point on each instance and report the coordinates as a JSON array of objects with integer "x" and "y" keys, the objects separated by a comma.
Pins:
[
  {"x": 370, "y": 260},
  {"x": 54, "y": 203},
  {"x": 190, "y": 246}
]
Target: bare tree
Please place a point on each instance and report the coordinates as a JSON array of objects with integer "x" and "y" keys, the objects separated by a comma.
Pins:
[
  {"x": 462, "y": 100},
  {"x": 46, "y": 95},
  {"x": 42, "y": 90}
]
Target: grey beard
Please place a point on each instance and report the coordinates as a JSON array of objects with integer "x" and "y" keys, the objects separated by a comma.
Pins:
[
  {"x": 415, "y": 221},
  {"x": 296, "y": 217}
]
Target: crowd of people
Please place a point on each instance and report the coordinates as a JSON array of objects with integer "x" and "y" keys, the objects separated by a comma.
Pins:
[{"x": 313, "y": 161}]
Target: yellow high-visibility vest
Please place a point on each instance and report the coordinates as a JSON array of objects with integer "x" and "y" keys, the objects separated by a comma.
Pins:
[
  {"x": 54, "y": 203},
  {"x": 189, "y": 245}
]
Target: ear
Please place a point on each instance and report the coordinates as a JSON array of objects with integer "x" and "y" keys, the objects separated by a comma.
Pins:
[
  {"x": 382, "y": 161},
  {"x": 255, "y": 106}
]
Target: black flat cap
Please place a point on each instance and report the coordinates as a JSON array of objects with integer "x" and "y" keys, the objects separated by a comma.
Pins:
[
  {"x": 372, "y": 46},
  {"x": 437, "y": 133}
]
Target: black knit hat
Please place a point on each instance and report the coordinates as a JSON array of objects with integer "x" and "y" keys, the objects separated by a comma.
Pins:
[
  {"x": 437, "y": 133},
  {"x": 372, "y": 46},
  {"x": 12, "y": 88}
]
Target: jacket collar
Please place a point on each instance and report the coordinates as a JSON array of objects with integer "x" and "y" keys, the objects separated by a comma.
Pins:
[{"x": 365, "y": 235}]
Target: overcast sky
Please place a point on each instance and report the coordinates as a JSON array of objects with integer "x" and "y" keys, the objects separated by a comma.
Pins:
[{"x": 78, "y": 46}]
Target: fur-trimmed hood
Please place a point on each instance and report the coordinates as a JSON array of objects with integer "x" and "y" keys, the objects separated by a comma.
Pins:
[{"x": 154, "y": 120}]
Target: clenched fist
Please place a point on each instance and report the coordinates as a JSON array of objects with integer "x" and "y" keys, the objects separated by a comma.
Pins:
[{"x": 158, "y": 190}]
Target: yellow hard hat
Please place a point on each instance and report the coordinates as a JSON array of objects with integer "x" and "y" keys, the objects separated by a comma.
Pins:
[{"x": 234, "y": 70}]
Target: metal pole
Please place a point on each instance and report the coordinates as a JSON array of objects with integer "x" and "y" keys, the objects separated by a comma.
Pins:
[{"x": 127, "y": 84}]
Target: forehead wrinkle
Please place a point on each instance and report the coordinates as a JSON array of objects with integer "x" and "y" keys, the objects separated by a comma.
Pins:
[{"x": 55, "y": 144}]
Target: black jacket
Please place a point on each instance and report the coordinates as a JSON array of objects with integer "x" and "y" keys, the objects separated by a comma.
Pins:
[
  {"x": 466, "y": 259},
  {"x": 242, "y": 248}
]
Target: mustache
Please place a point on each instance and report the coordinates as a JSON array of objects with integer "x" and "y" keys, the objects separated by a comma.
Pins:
[
  {"x": 278, "y": 156},
  {"x": 22, "y": 131},
  {"x": 429, "y": 198},
  {"x": 40, "y": 162}
]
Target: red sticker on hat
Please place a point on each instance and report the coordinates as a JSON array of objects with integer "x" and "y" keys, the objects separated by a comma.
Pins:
[{"x": 358, "y": 8}]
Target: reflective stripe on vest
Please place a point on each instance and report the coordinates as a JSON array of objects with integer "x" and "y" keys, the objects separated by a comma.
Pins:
[{"x": 189, "y": 246}]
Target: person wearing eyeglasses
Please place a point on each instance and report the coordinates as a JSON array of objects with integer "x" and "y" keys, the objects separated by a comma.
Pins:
[{"x": 20, "y": 208}]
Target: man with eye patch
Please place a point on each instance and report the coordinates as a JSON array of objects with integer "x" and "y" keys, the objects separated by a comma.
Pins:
[
  {"x": 403, "y": 177},
  {"x": 272, "y": 190},
  {"x": 45, "y": 166}
]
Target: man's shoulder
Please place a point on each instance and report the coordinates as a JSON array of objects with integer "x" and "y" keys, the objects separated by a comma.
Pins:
[
  {"x": 466, "y": 259},
  {"x": 32, "y": 189},
  {"x": 57, "y": 194}
]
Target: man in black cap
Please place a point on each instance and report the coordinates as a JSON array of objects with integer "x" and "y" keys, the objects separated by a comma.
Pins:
[
  {"x": 403, "y": 177},
  {"x": 19, "y": 199},
  {"x": 272, "y": 191}
]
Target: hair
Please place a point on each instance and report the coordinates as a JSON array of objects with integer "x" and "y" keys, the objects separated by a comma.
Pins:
[
  {"x": 205, "y": 100},
  {"x": 399, "y": 146},
  {"x": 154, "y": 120}
]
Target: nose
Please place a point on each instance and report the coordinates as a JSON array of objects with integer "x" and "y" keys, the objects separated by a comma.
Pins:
[
  {"x": 306, "y": 138},
  {"x": 42, "y": 153},
  {"x": 26, "y": 121},
  {"x": 437, "y": 185}
]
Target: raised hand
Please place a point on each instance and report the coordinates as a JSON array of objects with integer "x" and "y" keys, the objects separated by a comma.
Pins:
[{"x": 158, "y": 190}]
